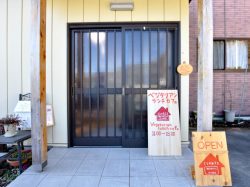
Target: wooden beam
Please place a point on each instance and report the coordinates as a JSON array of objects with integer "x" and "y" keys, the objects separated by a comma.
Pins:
[
  {"x": 205, "y": 65},
  {"x": 38, "y": 85}
]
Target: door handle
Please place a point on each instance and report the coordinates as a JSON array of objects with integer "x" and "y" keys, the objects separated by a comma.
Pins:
[{"x": 123, "y": 91}]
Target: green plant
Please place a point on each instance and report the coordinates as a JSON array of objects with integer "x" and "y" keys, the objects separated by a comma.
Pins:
[
  {"x": 24, "y": 155},
  {"x": 10, "y": 119}
]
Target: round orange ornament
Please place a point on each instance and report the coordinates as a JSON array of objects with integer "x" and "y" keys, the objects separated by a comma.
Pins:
[{"x": 184, "y": 69}]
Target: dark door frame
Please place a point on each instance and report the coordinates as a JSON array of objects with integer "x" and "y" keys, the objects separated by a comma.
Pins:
[{"x": 78, "y": 26}]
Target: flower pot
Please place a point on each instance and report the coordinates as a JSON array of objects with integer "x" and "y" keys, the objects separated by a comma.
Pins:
[
  {"x": 15, "y": 163},
  {"x": 229, "y": 115},
  {"x": 13, "y": 159},
  {"x": 10, "y": 130}
]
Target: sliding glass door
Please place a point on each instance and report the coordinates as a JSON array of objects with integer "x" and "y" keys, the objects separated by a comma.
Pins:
[{"x": 111, "y": 70}]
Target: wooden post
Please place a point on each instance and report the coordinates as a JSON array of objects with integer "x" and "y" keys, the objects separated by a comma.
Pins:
[
  {"x": 205, "y": 65},
  {"x": 38, "y": 84}
]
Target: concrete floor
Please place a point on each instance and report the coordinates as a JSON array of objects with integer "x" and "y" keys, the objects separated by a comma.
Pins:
[
  {"x": 109, "y": 167},
  {"x": 121, "y": 167}
]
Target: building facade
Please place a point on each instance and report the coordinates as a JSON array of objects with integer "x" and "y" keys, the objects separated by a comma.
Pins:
[
  {"x": 231, "y": 45},
  {"x": 100, "y": 63}
]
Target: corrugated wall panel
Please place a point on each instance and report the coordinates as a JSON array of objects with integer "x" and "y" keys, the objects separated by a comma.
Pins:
[
  {"x": 49, "y": 51},
  {"x": 3, "y": 58},
  {"x": 123, "y": 16},
  {"x": 172, "y": 10},
  {"x": 91, "y": 11},
  {"x": 155, "y": 10},
  {"x": 140, "y": 12},
  {"x": 26, "y": 29},
  {"x": 106, "y": 15},
  {"x": 49, "y": 62},
  {"x": 75, "y": 10},
  {"x": 59, "y": 66},
  {"x": 14, "y": 52}
]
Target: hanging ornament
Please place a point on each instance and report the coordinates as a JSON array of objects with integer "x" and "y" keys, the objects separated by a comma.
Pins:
[{"x": 185, "y": 69}]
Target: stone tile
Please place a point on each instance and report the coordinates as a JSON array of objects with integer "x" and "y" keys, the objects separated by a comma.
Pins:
[
  {"x": 187, "y": 154},
  {"x": 97, "y": 154},
  {"x": 163, "y": 157},
  {"x": 185, "y": 166},
  {"x": 57, "y": 152},
  {"x": 91, "y": 168},
  {"x": 99, "y": 149},
  {"x": 116, "y": 168},
  {"x": 53, "y": 181},
  {"x": 51, "y": 163},
  {"x": 174, "y": 182},
  {"x": 139, "y": 154},
  {"x": 119, "y": 154},
  {"x": 119, "y": 149},
  {"x": 192, "y": 182},
  {"x": 144, "y": 181},
  {"x": 32, "y": 171},
  {"x": 114, "y": 182},
  {"x": 84, "y": 181},
  {"x": 76, "y": 153},
  {"x": 142, "y": 168},
  {"x": 65, "y": 167},
  {"x": 27, "y": 180},
  {"x": 169, "y": 168}
]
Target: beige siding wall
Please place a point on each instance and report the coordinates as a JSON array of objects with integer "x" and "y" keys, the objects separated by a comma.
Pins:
[
  {"x": 3, "y": 58},
  {"x": 15, "y": 52},
  {"x": 14, "y": 42}
]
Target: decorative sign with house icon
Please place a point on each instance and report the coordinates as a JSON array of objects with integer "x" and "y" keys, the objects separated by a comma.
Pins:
[
  {"x": 211, "y": 165},
  {"x": 163, "y": 123},
  {"x": 162, "y": 114},
  {"x": 211, "y": 159}
]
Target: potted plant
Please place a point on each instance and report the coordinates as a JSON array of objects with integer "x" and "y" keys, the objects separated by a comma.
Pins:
[
  {"x": 229, "y": 113},
  {"x": 13, "y": 158},
  {"x": 10, "y": 122}
]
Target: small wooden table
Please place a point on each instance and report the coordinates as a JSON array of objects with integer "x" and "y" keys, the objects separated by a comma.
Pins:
[{"x": 19, "y": 138}]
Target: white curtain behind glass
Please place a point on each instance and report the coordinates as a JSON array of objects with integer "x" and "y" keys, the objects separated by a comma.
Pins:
[{"x": 237, "y": 54}]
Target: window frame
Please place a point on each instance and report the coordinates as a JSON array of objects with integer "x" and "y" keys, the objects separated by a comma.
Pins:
[{"x": 225, "y": 56}]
